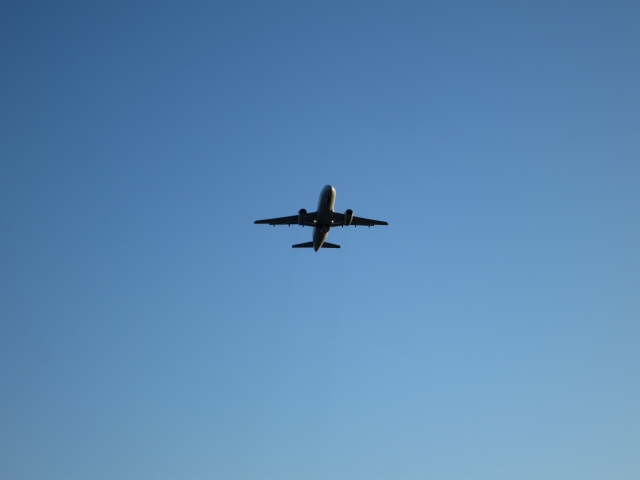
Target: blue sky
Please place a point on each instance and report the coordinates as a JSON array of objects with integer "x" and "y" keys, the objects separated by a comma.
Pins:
[{"x": 149, "y": 330}]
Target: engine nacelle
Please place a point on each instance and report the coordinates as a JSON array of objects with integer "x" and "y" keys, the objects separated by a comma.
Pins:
[
  {"x": 302, "y": 215},
  {"x": 348, "y": 217}
]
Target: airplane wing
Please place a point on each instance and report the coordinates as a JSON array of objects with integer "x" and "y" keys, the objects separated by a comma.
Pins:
[
  {"x": 338, "y": 221},
  {"x": 309, "y": 220}
]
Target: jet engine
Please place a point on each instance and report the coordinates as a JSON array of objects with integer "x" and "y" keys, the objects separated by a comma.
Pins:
[
  {"x": 302, "y": 215},
  {"x": 348, "y": 217}
]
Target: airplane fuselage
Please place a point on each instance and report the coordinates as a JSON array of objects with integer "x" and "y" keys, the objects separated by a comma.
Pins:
[{"x": 325, "y": 216}]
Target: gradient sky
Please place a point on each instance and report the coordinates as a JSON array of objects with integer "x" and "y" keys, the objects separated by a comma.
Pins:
[{"x": 149, "y": 330}]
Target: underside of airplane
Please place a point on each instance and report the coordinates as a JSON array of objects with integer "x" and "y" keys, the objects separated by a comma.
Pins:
[{"x": 322, "y": 220}]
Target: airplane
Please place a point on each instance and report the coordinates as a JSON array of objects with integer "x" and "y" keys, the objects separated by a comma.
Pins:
[{"x": 322, "y": 220}]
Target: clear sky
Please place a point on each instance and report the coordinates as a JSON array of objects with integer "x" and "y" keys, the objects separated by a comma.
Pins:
[{"x": 148, "y": 329}]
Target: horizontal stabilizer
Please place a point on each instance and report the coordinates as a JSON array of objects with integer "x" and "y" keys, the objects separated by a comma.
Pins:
[
  {"x": 330, "y": 245},
  {"x": 303, "y": 245}
]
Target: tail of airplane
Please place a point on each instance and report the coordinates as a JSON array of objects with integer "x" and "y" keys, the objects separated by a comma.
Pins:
[
  {"x": 303, "y": 245},
  {"x": 310, "y": 245}
]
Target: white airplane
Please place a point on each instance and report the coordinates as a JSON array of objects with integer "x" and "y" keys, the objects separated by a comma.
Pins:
[{"x": 322, "y": 220}]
